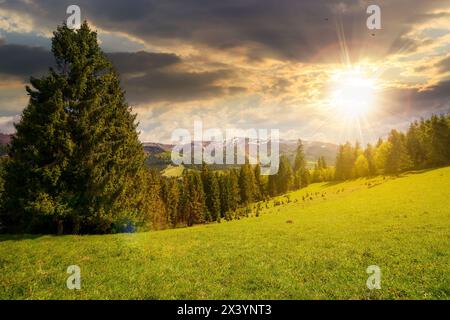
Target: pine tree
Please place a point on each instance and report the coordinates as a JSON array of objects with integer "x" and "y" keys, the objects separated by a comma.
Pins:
[
  {"x": 247, "y": 184},
  {"x": 235, "y": 194},
  {"x": 381, "y": 155},
  {"x": 171, "y": 196},
  {"x": 284, "y": 175},
  {"x": 322, "y": 163},
  {"x": 213, "y": 198},
  {"x": 193, "y": 199},
  {"x": 212, "y": 195},
  {"x": 321, "y": 171},
  {"x": 260, "y": 192},
  {"x": 345, "y": 161},
  {"x": 369, "y": 153},
  {"x": 316, "y": 173},
  {"x": 76, "y": 150},
  {"x": 272, "y": 185},
  {"x": 361, "y": 166},
  {"x": 225, "y": 194},
  {"x": 415, "y": 146},
  {"x": 439, "y": 141},
  {"x": 300, "y": 175},
  {"x": 339, "y": 172},
  {"x": 154, "y": 214},
  {"x": 398, "y": 158}
]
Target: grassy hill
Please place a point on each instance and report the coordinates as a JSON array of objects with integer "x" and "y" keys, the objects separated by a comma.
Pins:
[{"x": 315, "y": 248}]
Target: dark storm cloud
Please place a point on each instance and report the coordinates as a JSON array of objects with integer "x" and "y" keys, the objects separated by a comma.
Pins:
[
  {"x": 23, "y": 61},
  {"x": 158, "y": 79},
  {"x": 158, "y": 85},
  {"x": 433, "y": 99},
  {"x": 287, "y": 29},
  {"x": 131, "y": 62},
  {"x": 439, "y": 92}
]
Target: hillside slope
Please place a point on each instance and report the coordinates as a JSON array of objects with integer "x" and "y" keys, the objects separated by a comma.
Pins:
[{"x": 317, "y": 246}]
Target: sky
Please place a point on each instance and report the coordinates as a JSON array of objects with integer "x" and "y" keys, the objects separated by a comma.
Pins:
[{"x": 310, "y": 68}]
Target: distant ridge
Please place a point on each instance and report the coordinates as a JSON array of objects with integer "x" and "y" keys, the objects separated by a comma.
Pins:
[{"x": 313, "y": 149}]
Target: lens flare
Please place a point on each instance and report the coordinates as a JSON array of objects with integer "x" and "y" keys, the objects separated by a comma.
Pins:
[{"x": 353, "y": 93}]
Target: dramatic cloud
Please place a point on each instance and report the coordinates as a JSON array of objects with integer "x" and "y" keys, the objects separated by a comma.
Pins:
[
  {"x": 434, "y": 99},
  {"x": 151, "y": 77},
  {"x": 177, "y": 86},
  {"x": 247, "y": 63},
  {"x": 147, "y": 77},
  {"x": 287, "y": 29},
  {"x": 444, "y": 64},
  {"x": 127, "y": 62},
  {"x": 23, "y": 61}
]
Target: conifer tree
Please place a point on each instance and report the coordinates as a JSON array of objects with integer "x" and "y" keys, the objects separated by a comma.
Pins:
[
  {"x": 246, "y": 184},
  {"x": 300, "y": 174},
  {"x": 398, "y": 158},
  {"x": 345, "y": 161},
  {"x": 369, "y": 153},
  {"x": 146, "y": 194},
  {"x": 76, "y": 153},
  {"x": 381, "y": 155},
  {"x": 225, "y": 194},
  {"x": 415, "y": 146},
  {"x": 322, "y": 163},
  {"x": 361, "y": 166},
  {"x": 272, "y": 185},
  {"x": 284, "y": 177},
  {"x": 439, "y": 141},
  {"x": 235, "y": 194},
  {"x": 212, "y": 195},
  {"x": 260, "y": 192},
  {"x": 193, "y": 200},
  {"x": 171, "y": 196}
]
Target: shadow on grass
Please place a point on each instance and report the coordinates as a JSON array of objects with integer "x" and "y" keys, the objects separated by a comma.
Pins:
[
  {"x": 333, "y": 183},
  {"x": 19, "y": 237},
  {"x": 420, "y": 171},
  {"x": 411, "y": 172},
  {"x": 389, "y": 176}
]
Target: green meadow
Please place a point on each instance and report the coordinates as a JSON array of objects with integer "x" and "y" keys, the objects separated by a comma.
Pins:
[{"x": 315, "y": 244}]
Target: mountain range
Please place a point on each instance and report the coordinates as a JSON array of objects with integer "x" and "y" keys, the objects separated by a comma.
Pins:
[{"x": 159, "y": 153}]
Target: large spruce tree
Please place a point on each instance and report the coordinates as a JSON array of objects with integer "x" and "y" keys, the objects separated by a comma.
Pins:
[{"x": 75, "y": 156}]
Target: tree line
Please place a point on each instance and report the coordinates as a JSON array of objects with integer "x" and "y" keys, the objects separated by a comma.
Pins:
[
  {"x": 425, "y": 144},
  {"x": 76, "y": 165},
  {"x": 202, "y": 196}
]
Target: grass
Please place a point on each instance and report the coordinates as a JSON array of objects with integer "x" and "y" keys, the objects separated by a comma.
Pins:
[
  {"x": 173, "y": 171},
  {"x": 400, "y": 224}
]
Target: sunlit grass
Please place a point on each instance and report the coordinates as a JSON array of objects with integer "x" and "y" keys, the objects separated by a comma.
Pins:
[{"x": 400, "y": 224}]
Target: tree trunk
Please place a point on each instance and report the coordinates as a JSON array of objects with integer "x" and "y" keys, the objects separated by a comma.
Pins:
[
  {"x": 60, "y": 227},
  {"x": 76, "y": 226}
]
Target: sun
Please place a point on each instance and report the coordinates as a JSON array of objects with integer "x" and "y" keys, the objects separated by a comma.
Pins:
[{"x": 352, "y": 94}]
